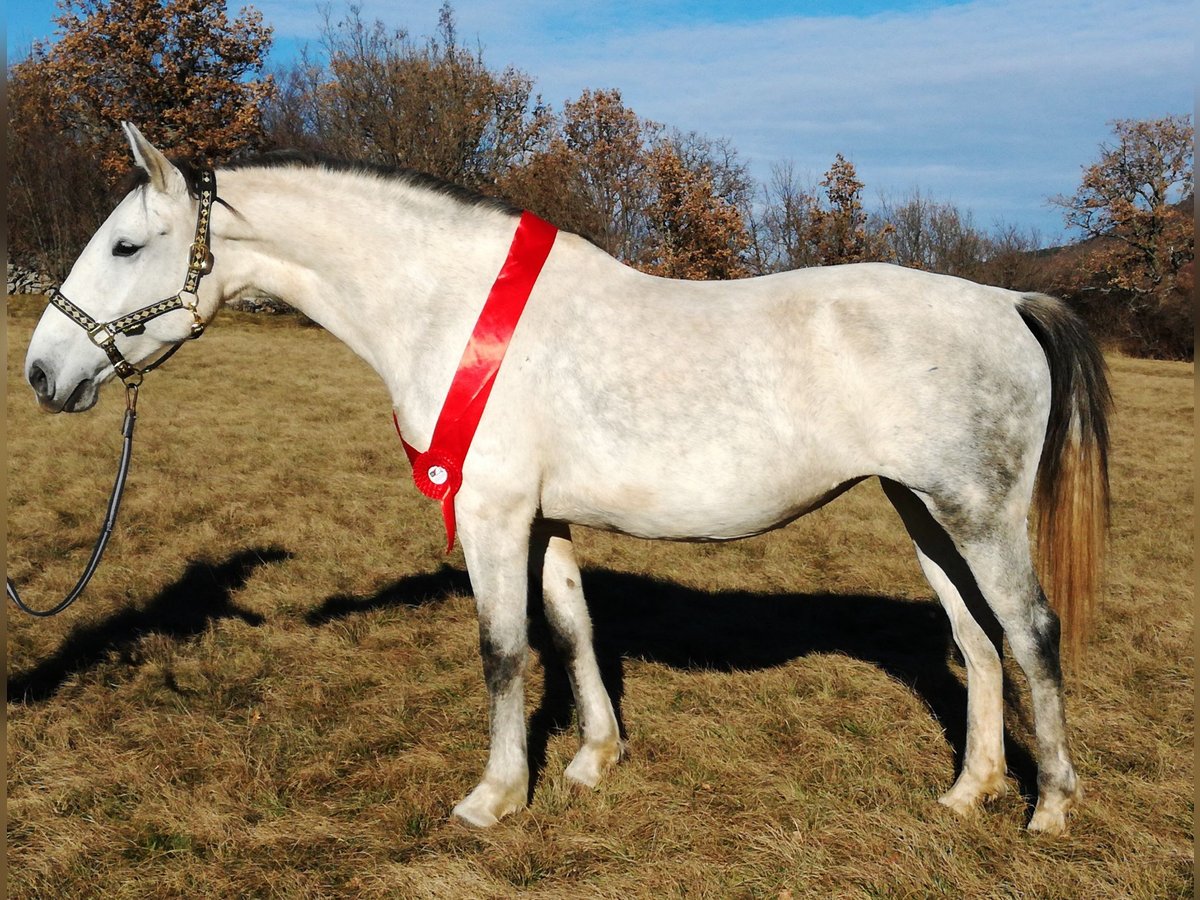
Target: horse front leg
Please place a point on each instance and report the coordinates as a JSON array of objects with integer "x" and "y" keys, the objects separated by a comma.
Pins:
[
  {"x": 571, "y": 630},
  {"x": 496, "y": 545}
]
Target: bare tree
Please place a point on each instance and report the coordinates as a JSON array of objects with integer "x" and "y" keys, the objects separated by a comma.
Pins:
[
  {"x": 779, "y": 231},
  {"x": 1014, "y": 259},
  {"x": 932, "y": 235},
  {"x": 432, "y": 106},
  {"x": 806, "y": 225}
]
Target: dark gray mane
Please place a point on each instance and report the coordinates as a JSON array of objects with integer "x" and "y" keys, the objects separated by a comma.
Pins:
[{"x": 308, "y": 159}]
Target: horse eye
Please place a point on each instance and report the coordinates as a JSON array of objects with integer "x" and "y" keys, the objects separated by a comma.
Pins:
[{"x": 124, "y": 248}]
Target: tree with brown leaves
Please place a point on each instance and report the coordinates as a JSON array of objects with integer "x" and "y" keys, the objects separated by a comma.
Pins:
[
  {"x": 1141, "y": 241},
  {"x": 669, "y": 204},
  {"x": 593, "y": 176},
  {"x": 431, "y": 106},
  {"x": 694, "y": 232},
  {"x": 181, "y": 69},
  {"x": 838, "y": 229}
]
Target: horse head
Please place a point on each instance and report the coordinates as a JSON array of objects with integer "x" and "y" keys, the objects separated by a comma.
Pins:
[{"x": 137, "y": 257}]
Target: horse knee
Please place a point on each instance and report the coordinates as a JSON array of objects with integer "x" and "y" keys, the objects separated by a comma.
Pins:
[
  {"x": 563, "y": 603},
  {"x": 503, "y": 662}
]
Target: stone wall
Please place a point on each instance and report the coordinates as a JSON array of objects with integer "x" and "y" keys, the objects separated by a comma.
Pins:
[
  {"x": 26, "y": 281},
  {"x": 261, "y": 304}
]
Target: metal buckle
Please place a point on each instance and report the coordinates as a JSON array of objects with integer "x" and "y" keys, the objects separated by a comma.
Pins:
[
  {"x": 190, "y": 301},
  {"x": 200, "y": 258},
  {"x": 101, "y": 336}
]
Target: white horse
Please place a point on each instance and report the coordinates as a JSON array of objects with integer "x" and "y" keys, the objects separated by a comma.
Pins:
[{"x": 657, "y": 408}]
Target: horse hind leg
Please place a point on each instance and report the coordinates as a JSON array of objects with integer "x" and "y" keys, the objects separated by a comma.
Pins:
[
  {"x": 571, "y": 629},
  {"x": 995, "y": 549},
  {"x": 983, "y": 768},
  {"x": 1004, "y": 570}
]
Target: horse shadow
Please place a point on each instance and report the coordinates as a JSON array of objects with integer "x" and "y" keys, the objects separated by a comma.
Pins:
[
  {"x": 184, "y": 609},
  {"x": 640, "y": 617},
  {"x": 413, "y": 590}
]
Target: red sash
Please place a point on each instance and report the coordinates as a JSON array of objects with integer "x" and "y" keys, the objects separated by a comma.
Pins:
[{"x": 438, "y": 471}]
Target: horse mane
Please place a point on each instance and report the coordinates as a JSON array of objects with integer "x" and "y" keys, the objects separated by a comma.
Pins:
[{"x": 275, "y": 159}]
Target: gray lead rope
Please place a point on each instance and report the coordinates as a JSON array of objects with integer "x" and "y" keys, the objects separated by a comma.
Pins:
[{"x": 110, "y": 519}]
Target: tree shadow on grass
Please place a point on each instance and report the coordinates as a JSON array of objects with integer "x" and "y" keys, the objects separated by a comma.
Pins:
[
  {"x": 183, "y": 610},
  {"x": 640, "y": 617}
]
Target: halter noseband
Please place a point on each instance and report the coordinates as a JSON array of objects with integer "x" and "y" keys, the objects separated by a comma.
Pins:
[{"x": 104, "y": 334}]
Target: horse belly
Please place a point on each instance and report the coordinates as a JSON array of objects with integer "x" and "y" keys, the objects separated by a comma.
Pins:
[{"x": 723, "y": 496}]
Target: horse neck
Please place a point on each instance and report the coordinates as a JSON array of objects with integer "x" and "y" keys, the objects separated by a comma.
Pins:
[{"x": 397, "y": 272}]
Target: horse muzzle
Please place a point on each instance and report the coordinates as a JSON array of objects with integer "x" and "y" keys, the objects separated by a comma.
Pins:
[{"x": 54, "y": 396}]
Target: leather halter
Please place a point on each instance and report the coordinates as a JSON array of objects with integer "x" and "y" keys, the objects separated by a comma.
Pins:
[{"x": 200, "y": 261}]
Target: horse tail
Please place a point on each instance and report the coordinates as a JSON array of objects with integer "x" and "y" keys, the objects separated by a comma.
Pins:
[{"x": 1071, "y": 497}]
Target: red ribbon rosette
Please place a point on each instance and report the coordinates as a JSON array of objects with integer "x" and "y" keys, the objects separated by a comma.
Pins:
[{"x": 437, "y": 476}]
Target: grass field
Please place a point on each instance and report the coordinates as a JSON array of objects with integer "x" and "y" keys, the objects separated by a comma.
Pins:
[{"x": 273, "y": 690}]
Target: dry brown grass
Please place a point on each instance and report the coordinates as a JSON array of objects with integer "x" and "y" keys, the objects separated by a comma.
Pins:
[{"x": 272, "y": 688}]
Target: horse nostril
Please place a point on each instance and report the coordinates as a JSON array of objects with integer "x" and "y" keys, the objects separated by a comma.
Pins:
[{"x": 40, "y": 381}]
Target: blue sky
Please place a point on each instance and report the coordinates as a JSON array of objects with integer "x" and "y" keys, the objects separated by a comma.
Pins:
[{"x": 994, "y": 106}]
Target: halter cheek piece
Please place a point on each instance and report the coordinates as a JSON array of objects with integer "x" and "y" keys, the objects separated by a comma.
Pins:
[{"x": 200, "y": 261}]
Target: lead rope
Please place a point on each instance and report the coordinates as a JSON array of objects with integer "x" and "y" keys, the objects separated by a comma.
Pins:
[{"x": 110, "y": 520}]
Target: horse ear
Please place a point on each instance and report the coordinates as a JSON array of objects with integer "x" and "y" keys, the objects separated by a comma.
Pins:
[{"x": 163, "y": 174}]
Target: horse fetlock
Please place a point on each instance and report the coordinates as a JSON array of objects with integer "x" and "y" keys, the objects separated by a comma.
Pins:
[
  {"x": 593, "y": 760},
  {"x": 489, "y": 802}
]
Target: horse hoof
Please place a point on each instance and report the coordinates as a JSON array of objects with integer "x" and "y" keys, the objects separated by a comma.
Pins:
[
  {"x": 969, "y": 792},
  {"x": 592, "y": 761},
  {"x": 1052, "y": 823},
  {"x": 1050, "y": 814},
  {"x": 962, "y": 806},
  {"x": 487, "y": 805}
]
